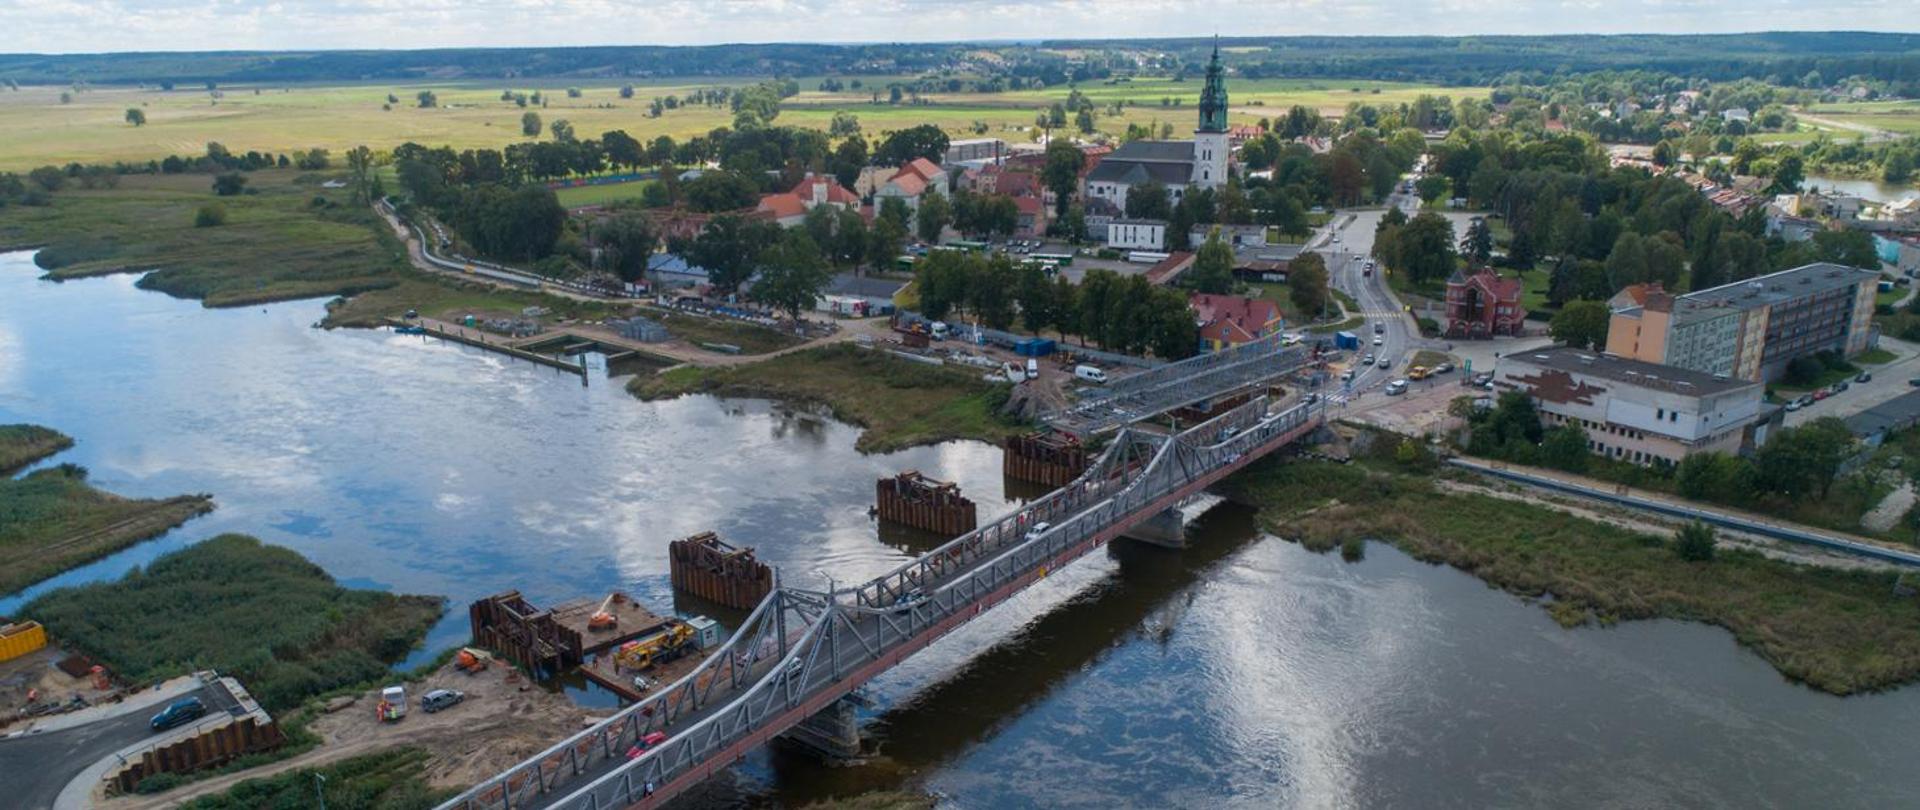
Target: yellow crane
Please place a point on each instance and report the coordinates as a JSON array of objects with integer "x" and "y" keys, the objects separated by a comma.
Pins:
[{"x": 654, "y": 649}]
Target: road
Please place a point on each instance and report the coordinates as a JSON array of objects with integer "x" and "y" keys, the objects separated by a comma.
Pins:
[{"x": 39, "y": 766}]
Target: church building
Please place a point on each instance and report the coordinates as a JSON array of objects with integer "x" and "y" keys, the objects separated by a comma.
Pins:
[{"x": 1178, "y": 165}]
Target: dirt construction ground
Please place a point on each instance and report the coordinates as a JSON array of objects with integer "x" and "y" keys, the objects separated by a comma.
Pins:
[
  {"x": 503, "y": 720},
  {"x": 35, "y": 673}
]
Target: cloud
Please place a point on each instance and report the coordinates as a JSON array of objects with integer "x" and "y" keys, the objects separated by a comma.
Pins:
[{"x": 63, "y": 26}]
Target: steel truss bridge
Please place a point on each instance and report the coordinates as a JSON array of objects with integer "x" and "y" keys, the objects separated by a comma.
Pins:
[
  {"x": 1164, "y": 388},
  {"x": 801, "y": 651}
]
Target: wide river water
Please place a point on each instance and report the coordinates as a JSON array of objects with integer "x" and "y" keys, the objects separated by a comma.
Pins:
[{"x": 1242, "y": 672}]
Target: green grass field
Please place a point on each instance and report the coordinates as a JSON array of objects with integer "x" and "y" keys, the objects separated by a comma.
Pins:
[
  {"x": 21, "y": 445},
  {"x": 1902, "y": 117},
  {"x": 576, "y": 196},
  {"x": 37, "y": 129}
]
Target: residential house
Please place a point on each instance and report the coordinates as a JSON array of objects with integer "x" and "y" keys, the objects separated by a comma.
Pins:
[
  {"x": 1736, "y": 114},
  {"x": 967, "y": 149},
  {"x": 1483, "y": 305},
  {"x": 790, "y": 208},
  {"x": 912, "y": 182},
  {"x": 1639, "y": 412},
  {"x": 1230, "y": 320}
]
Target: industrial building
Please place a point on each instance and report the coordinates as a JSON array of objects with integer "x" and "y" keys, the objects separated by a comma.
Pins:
[{"x": 1750, "y": 330}]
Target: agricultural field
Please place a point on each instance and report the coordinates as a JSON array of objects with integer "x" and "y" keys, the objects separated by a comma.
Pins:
[
  {"x": 37, "y": 129},
  {"x": 1902, "y": 117}
]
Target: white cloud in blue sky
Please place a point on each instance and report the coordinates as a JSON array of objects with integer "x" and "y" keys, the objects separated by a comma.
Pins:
[{"x": 66, "y": 26}]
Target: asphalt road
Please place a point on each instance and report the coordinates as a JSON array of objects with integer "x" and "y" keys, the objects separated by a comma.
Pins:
[
  {"x": 38, "y": 766},
  {"x": 1346, "y": 263}
]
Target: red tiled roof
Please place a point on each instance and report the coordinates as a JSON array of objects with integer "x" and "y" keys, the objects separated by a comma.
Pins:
[
  {"x": 782, "y": 206},
  {"x": 1248, "y": 315},
  {"x": 1028, "y": 205},
  {"x": 1500, "y": 287},
  {"x": 910, "y": 183},
  {"x": 836, "y": 193},
  {"x": 1168, "y": 267},
  {"x": 922, "y": 167}
]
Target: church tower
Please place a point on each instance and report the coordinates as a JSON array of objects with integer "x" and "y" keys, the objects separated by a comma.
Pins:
[{"x": 1210, "y": 147}]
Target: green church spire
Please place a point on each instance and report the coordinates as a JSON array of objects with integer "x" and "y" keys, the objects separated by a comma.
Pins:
[{"x": 1213, "y": 98}]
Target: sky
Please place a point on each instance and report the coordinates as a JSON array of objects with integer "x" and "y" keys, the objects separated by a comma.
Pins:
[{"x": 86, "y": 26}]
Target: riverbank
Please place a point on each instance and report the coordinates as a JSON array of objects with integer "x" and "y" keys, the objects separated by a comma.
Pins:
[
  {"x": 261, "y": 613},
  {"x": 287, "y": 238},
  {"x": 900, "y": 403},
  {"x": 52, "y": 520},
  {"x": 21, "y": 445},
  {"x": 1842, "y": 632}
]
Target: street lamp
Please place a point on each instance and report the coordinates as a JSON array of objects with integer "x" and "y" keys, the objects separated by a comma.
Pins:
[{"x": 319, "y": 789}]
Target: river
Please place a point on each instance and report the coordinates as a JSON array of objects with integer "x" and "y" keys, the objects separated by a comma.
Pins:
[
  {"x": 1242, "y": 672},
  {"x": 1864, "y": 189}
]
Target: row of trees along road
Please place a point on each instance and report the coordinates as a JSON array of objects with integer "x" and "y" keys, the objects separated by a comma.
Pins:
[{"x": 1114, "y": 312}]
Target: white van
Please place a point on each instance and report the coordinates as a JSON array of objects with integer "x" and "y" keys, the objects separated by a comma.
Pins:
[
  {"x": 938, "y": 329},
  {"x": 1033, "y": 368},
  {"x": 1090, "y": 374}
]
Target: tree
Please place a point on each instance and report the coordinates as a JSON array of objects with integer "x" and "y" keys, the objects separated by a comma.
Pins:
[
  {"x": 530, "y": 125},
  {"x": 229, "y": 184},
  {"x": 426, "y": 99},
  {"x": 136, "y": 116},
  {"x": 1694, "y": 542},
  {"x": 1212, "y": 270},
  {"x": 1788, "y": 173},
  {"x": 1432, "y": 187},
  {"x": 791, "y": 274},
  {"x": 626, "y": 91},
  {"x": 1424, "y": 247},
  {"x": 561, "y": 130},
  {"x": 1036, "y": 299},
  {"x": 934, "y": 216},
  {"x": 1565, "y": 448},
  {"x": 1627, "y": 262},
  {"x": 1307, "y": 285},
  {"x": 1848, "y": 247},
  {"x": 1149, "y": 200},
  {"x": 1717, "y": 477},
  {"x": 626, "y": 240},
  {"x": 623, "y": 149},
  {"x": 1803, "y": 461},
  {"x": 730, "y": 246},
  {"x": 1477, "y": 245},
  {"x": 902, "y": 146},
  {"x": 716, "y": 191},
  {"x": 844, "y": 125},
  {"x": 1061, "y": 174},
  {"x": 1581, "y": 324},
  {"x": 360, "y": 168}
]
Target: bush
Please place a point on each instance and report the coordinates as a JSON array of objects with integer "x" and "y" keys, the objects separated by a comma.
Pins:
[
  {"x": 1429, "y": 327},
  {"x": 1694, "y": 542},
  {"x": 211, "y": 215},
  {"x": 1803, "y": 371}
]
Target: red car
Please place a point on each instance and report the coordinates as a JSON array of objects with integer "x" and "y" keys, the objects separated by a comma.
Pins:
[{"x": 652, "y": 739}]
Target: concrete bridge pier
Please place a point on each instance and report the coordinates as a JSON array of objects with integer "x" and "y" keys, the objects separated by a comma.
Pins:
[
  {"x": 832, "y": 734},
  {"x": 1167, "y": 528}
]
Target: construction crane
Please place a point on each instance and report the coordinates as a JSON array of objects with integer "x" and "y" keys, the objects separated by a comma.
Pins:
[{"x": 659, "y": 648}]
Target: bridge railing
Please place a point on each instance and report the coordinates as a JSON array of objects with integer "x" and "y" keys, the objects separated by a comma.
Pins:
[{"x": 829, "y": 658}]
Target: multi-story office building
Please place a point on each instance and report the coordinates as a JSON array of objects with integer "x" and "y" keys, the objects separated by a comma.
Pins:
[{"x": 1751, "y": 329}]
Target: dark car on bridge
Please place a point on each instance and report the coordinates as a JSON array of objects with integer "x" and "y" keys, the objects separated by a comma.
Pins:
[{"x": 179, "y": 712}]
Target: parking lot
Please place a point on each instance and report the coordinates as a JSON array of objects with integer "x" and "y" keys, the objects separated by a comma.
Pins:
[{"x": 1889, "y": 380}]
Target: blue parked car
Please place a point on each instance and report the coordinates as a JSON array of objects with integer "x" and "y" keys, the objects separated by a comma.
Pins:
[{"x": 179, "y": 712}]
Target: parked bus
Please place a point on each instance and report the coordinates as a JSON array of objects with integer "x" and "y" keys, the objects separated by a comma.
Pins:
[
  {"x": 904, "y": 264},
  {"x": 961, "y": 244},
  {"x": 1061, "y": 259},
  {"x": 1147, "y": 257}
]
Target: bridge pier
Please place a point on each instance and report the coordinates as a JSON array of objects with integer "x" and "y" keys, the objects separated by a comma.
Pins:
[
  {"x": 1167, "y": 529},
  {"x": 832, "y": 734}
]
